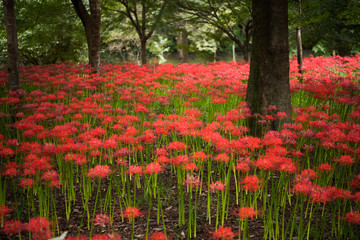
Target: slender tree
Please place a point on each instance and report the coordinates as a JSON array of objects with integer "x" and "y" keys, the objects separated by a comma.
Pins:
[
  {"x": 92, "y": 24},
  {"x": 144, "y": 16},
  {"x": 230, "y": 17},
  {"x": 269, "y": 66},
  {"x": 12, "y": 45},
  {"x": 299, "y": 42}
]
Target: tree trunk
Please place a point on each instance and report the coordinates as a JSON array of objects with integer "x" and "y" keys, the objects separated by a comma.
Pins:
[
  {"x": 269, "y": 67},
  {"x": 12, "y": 46},
  {"x": 92, "y": 24},
  {"x": 233, "y": 52},
  {"x": 182, "y": 44},
  {"x": 94, "y": 53},
  {"x": 299, "y": 43},
  {"x": 143, "y": 51}
]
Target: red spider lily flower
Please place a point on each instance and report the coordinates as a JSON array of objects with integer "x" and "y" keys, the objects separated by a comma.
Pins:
[
  {"x": 162, "y": 160},
  {"x": 13, "y": 227},
  {"x": 135, "y": 170},
  {"x": 281, "y": 115},
  {"x": 99, "y": 171},
  {"x": 251, "y": 183},
  {"x": 243, "y": 167},
  {"x": 153, "y": 168},
  {"x": 161, "y": 152},
  {"x": 11, "y": 169},
  {"x": 324, "y": 167},
  {"x": 99, "y": 237},
  {"x": 80, "y": 237},
  {"x": 217, "y": 186},
  {"x": 223, "y": 233},
  {"x": 200, "y": 155},
  {"x": 192, "y": 181},
  {"x": 102, "y": 219},
  {"x": 180, "y": 160},
  {"x": 7, "y": 152},
  {"x": 345, "y": 160},
  {"x": 191, "y": 167},
  {"x": 222, "y": 157},
  {"x": 158, "y": 236},
  {"x": 113, "y": 236},
  {"x": 355, "y": 183},
  {"x": 247, "y": 212},
  {"x": 26, "y": 183},
  {"x": 50, "y": 175},
  {"x": 308, "y": 173},
  {"x": 40, "y": 228},
  {"x": 4, "y": 210},
  {"x": 353, "y": 217},
  {"x": 179, "y": 146},
  {"x": 132, "y": 212}
]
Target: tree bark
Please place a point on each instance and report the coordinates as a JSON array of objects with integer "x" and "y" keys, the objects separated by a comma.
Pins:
[
  {"x": 269, "y": 67},
  {"x": 92, "y": 24},
  {"x": 299, "y": 43},
  {"x": 182, "y": 44},
  {"x": 233, "y": 52},
  {"x": 143, "y": 51},
  {"x": 12, "y": 46}
]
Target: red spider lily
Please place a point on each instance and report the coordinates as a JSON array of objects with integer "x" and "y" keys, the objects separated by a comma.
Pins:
[
  {"x": 40, "y": 228},
  {"x": 26, "y": 183},
  {"x": 80, "y": 237},
  {"x": 113, "y": 236},
  {"x": 222, "y": 157},
  {"x": 99, "y": 171},
  {"x": 13, "y": 227},
  {"x": 243, "y": 167},
  {"x": 152, "y": 168},
  {"x": 345, "y": 160},
  {"x": 4, "y": 210},
  {"x": 223, "y": 233},
  {"x": 353, "y": 217},
  {"x": 180, "y": 160},
  {"x": 308, "y": 173},
  {"x": 200, "y": 155},
  {"x": 99, "y": 237},
  {"x": 303, "y": 187},
  {"x": 11, "y": 169},
  {"x": 162, "y": 160},
  {"x": 251, "y": 183},
  {"x": 161, "y": 152},
  {"x": 246, "y": 212},
  {"x": 135, "y": 170},
  {"x": 7, "y": 152},
  {"x": 179, "y": 146},
  {"x": 158, "y": 236},
  {"x": 192, "y": 181},
  {"x": 355, "y": 183},
  {"x": 324, "y": 167},
  {"x": 102, "y": 219},
  {"x": 132, "y": 212},
  {"x": 217, "y": 186},
  {"x": 191, "y": 167}
]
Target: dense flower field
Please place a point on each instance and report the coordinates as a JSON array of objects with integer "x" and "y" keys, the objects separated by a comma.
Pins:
[{"x": 126, "y": 151}]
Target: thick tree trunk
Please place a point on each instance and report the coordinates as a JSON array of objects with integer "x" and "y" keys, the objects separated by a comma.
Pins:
[
  {"x": 299, "y": 43},
  {"x": 269, "y": 67},
  {"x": 182, "y": 45},
  {"x": 94, "y": 53},
  {"x": 233, "y": 52},
  {"x": 143, "y": 51},
  {"x": 12, "y": 46},
  {"x": 92, "y": 24}
]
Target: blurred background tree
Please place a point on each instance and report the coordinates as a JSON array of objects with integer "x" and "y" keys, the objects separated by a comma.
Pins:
[{"x": 49, "y": 31}]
